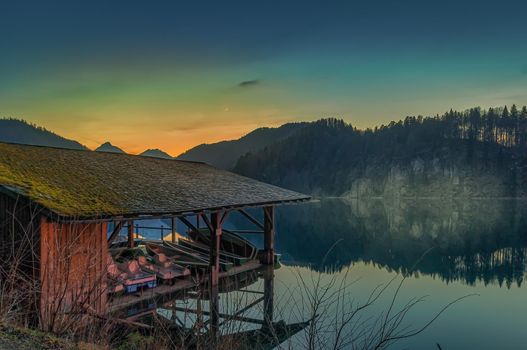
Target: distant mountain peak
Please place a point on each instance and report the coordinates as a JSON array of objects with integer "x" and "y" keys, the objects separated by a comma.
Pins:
[
  {"x": 20, "y": 131},
  {"x": 156, "y": 153},
  {"x": 109, "y": 148}
]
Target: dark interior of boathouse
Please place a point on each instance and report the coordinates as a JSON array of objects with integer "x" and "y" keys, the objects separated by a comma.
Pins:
[{"x": 63, "y": 212}]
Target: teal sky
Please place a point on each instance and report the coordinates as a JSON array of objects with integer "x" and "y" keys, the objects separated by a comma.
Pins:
[{"x": 172, "y": 75}]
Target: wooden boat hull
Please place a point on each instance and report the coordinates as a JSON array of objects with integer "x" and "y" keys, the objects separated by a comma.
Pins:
[
  {"x": 182, "y": 259},
  {"x": 200, "y": 247},
  {"x": 224, "y": 265},
  {"x": 166, "y": 273},
  {"x": 230, "y": 243}
]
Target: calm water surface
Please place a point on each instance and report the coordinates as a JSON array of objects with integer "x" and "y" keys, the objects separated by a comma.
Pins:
[
  {"x": 475, "y": 247},
  {"x": 447, "y": 249}
]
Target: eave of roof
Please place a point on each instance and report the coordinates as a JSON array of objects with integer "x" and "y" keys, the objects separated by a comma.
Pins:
[{"x": 66, "y": 182}]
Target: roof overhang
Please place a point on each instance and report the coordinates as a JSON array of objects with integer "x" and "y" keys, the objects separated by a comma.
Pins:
[{"x": 16, "y": 193}]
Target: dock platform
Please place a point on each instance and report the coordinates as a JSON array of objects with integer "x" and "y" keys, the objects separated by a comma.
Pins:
[{"x": 164, "y": 291}]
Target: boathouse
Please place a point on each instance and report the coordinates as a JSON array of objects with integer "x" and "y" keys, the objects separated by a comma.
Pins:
[{"x": 57, "y": 205}]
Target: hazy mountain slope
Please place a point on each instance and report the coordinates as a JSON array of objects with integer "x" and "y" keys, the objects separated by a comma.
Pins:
[
  {"x": 225, "y": 154},
  {"x": 20, "y": 131},
  {"x": 108, "y": 147},
  {"x": 412, "y": 159},
  {"x": 156, "y": 153}
]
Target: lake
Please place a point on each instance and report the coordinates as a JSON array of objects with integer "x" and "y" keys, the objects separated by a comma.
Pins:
[{"x": 446, "y": 249}]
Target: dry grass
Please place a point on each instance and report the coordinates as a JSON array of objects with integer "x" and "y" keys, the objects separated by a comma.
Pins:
[{"x": 21, "y": 338}]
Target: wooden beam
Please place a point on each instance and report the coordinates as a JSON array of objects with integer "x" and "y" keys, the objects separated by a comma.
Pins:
[
  {"x": 207, "y": 222},
  {"x": 269, "y": 232},
  {"x": 173, "y": 222},
  {"x": 241, "y": 311},
  {"x": 268, "y": 309},
  {"x": 188, "y": 223},
  {"x": 131, "y": 241},
  {"x": 245, "y": 231},
  {"x": 115, "y": 233},
  {"x": 214, "y": 274},
  {"x": 251, "y": 219},
  {"x": 215, "y": 240},
  {"x": 269, "y": 214},
  {"x": 192, "y": 227},
  {"x": 224, "y": 217}
]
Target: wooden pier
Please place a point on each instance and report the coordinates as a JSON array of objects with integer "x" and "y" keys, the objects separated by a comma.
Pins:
[{"x": 165, "y": 292}]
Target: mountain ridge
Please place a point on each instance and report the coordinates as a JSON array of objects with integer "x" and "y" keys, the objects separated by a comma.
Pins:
[
  {"x": 474, "y": 153},
  {"x": 225, "y": 154},
  {"x": 459, "y": 154},
  {"x": 20, "y": 131}
]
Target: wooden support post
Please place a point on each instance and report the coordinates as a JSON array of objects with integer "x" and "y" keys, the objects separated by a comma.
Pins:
[
  {"x": 268, "y": 298},
  {"x": 215, "y": 247},
  {"x": 173, "y": 230},
  {"x": 269, "y": 231},
  {"x": 215, "y": 221},
  {"x": 131, "y": 241}
]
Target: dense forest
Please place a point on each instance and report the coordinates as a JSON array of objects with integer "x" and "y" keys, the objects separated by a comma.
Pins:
[{"x": 471, "y": 153}]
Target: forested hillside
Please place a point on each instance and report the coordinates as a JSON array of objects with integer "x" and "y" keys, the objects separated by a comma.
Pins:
[
  {"x": 472, "y": 153},
  {"x": 20, "y": 131},
  {"x": 224, "y": 154}
]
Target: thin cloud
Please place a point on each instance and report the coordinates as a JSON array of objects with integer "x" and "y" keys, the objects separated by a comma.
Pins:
[{"x": 249, "y": 83}]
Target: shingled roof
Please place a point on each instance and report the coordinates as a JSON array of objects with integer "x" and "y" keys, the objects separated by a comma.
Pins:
[{"x": 86, "y": 184}]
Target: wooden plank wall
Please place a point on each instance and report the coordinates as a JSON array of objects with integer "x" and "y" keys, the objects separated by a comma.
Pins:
[{"x": 73, "y": 272}]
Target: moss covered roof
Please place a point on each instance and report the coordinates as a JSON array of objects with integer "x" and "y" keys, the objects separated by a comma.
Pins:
[{"x": 86, "y": 184}]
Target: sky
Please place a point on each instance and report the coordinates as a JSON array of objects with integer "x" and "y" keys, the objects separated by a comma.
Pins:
[{"x": 175, "y": 74}]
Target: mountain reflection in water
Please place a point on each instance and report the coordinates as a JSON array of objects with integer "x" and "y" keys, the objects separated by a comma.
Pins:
[
  {"x": 468, "y": 241},
  {"x": 449, "y": 249}
]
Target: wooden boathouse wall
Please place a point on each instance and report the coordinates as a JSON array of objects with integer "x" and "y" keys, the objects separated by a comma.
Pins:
[
  {"x": 73, "y": 270},
  {"x": 56, "y": 267},
  {"x": 67, "y": 261}
]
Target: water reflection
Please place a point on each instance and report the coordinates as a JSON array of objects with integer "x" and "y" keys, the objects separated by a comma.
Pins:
[
  {"x": 239, "y": 314},
  {"x": 468, "y": 241},
  {"x": 481, "y": 242}
]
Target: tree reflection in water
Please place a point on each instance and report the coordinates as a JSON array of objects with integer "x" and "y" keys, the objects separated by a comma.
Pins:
[{"x": 468, "y": 241}]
